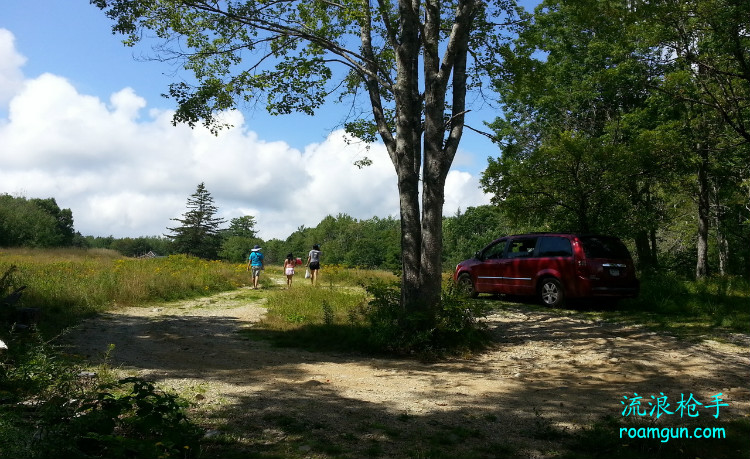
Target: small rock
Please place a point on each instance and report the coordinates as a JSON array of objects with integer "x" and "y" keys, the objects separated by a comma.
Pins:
[{"x": 212, "y": 434}]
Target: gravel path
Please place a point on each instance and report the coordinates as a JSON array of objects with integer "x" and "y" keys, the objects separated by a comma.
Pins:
[{"x": 547, "y": 373}]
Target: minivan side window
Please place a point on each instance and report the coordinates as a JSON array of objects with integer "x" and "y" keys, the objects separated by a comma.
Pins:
[
  {"x": 550, "y": 246},
  {"x": 494, "y": 251},
  {"x": 521, "y": 247}
]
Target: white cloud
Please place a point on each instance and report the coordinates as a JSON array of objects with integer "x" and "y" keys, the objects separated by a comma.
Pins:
[
  {"x": 124, "y": 170},
  {"x": 11, "y": 76},
  {"x": 462, "y": 191}
]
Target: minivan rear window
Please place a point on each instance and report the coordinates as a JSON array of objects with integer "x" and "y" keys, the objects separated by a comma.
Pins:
[
  {"x": 550, "y": 246},
  {"x": 604, "y": 247}
]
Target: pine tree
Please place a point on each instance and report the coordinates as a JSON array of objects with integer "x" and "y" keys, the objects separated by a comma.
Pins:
[
  {"x": 199, "y": 233},
  {"x": 238, "y": 239}
]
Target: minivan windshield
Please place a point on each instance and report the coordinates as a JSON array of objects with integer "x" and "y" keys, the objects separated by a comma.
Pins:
[{"x": 604, "y": 247}]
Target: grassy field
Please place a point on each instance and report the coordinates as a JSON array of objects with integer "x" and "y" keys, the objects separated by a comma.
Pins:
[{"x": 70, "y": 284}]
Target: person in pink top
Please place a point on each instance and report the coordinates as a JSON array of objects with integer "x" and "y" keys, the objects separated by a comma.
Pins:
[{"x": 289, "y": 264}]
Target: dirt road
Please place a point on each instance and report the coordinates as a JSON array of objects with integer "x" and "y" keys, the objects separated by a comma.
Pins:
[{"x": 548, "y": 373}]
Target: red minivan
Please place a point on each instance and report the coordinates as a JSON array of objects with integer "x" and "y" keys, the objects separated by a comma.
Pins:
[{"x": 552, "y": 266}]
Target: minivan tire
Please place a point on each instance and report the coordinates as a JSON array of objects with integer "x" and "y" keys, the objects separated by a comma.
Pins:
[
  {"x": 551, "y": 292},
  {"x": 466, "y": 286}
]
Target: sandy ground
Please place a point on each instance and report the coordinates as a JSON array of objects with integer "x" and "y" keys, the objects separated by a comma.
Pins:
[{"x": 546, "y": 371}]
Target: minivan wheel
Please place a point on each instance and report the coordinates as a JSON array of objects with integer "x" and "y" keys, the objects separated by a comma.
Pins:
[
  {"x": 551, "y": 292},
  {"x": 466, "y": 286}
]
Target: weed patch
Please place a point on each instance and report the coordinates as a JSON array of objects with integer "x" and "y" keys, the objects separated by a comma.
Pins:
[
  {"x": 369, "y": 319},
  {"x": 50, "y": 408},
  {"x": 688, "y": 309},
  {"x": 604, "y": 440}
]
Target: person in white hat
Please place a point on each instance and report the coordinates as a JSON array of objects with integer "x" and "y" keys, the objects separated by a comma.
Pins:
[{"x": 255, "y": 263}]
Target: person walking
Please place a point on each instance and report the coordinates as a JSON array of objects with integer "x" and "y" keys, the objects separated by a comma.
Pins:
[
  {"x": 289, "y": 264},
  {"x": 313, "y": 263},
  {"x": 255, "y": 264}
]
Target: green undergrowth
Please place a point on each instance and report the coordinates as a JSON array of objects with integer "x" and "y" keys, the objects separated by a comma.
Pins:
[
  {"x": 618, "y": 439},
  {"x": 369, "y": 319},
  {"x": 712, "y": 308},
  {"x": 50, "y": 407}
]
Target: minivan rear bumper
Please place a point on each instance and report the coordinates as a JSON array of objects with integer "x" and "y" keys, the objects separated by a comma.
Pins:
[
  {"x": 621, "y": 292},
  {"x": 631, "y": 290}
]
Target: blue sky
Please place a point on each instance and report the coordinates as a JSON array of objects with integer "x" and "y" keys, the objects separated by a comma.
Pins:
[{"x": 82, "y": 120}]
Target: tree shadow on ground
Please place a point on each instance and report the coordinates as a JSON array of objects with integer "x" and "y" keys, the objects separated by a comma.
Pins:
[{"x": 550, "y": 386}]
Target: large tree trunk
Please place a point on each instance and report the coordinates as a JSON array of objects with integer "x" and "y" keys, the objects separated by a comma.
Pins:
[
  {"x": 433, "y": 184},
  {"x": 422, "y": 229},
  {"x": 433, "y": 199},
  {"x": 408, "y": 152},
  {"x": 439, "y": 148},
  {"x": 411, "y": 242},
  {"x": 422, "y": 238}
]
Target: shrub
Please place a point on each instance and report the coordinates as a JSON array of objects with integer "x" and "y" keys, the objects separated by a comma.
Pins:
[
  {"x": 49, "y": 408},
  {"x": 457, "y": 326}
]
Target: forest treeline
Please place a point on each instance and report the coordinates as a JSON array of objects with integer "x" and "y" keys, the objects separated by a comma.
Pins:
[
  {"x": 344, "y": 240},
  {"x": 34, "y": 223}
]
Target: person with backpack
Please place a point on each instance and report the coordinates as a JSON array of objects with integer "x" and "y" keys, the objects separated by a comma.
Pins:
[{"x": 255, "y": 264}]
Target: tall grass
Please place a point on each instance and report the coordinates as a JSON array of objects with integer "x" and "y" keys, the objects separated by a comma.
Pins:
[
  {"x": 690, "y": 308},
  {"x": 341, "y": 316},
  {"x": 68, "y": 284},
  {"x": 306, "y": 305},
  {"x": 315, "y": 318},
  {"x": 337, "y": 275}
]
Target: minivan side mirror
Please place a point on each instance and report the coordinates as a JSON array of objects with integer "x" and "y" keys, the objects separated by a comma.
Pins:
[{"x": 478, "y": 255}]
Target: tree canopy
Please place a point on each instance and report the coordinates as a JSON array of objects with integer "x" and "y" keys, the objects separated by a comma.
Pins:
[
  {"x": 411, "y": 61},
  {"x": 629, "y": 118},
  {"x": 238, "y": 239},
  {"x": 34, "y": 223}
]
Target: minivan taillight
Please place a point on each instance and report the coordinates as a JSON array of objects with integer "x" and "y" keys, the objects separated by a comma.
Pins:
[{"x": 580, "y": 258}]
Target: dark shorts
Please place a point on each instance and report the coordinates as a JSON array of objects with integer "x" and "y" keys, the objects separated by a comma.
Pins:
[{"x": 314, "y": 265}]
